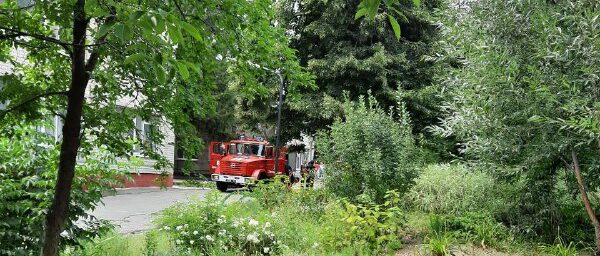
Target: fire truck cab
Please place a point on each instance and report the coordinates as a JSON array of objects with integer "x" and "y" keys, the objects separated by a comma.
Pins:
[{"x": 243, "y": 162}]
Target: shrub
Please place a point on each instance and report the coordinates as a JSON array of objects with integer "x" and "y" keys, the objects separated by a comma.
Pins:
[
  {"x": 452, "y": 189},
  {"x": 479, "y": 228},
  {"x": 368, "y": 152},
  {"x": 270, "y": 194},
  {"x": 203, "y": 228},
  {"x": 28, "y": 164},
  {"x": 370, "y": 227}
]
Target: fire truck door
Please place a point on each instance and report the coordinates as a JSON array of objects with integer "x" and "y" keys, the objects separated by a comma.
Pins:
[{"x": 217, "y": 150}]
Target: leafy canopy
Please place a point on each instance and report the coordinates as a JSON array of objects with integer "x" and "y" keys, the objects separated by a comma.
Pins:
[{"x": 160, "y": 60}]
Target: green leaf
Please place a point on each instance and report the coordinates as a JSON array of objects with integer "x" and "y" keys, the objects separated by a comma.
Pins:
[
  {"x": 160, "y": 74},
  {"x": 133, "y": 58},
  {"x": 536, "y": 119},
  {"x": 147, "y": 24},
  {"x": 175, "y": 34},
  {"x": 395, "y": 26},
  {"x": 105, "y": 28},
  {"x": 191, "y": 30},
  {"x": 135, "y": 15},
  {"x": 123, "y": 32},
  {"x": 183, "y": 70},
  {"x": 417, "y": 2},
  {"x": 360, "y": 13},
  {"x": 194, "y": 67}
]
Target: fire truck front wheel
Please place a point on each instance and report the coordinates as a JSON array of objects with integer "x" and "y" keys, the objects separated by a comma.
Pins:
[{"x": 222, "y": 186}]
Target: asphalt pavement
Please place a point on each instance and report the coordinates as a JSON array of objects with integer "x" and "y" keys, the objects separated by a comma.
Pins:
[{"x": 132, "y": 210}]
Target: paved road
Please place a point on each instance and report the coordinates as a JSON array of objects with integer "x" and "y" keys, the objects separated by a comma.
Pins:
[{"x": 132, "y": 209}]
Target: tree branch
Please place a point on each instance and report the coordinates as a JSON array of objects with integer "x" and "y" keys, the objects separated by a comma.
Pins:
[
  {"x": 32, "y": 99},
  {"x": 18, "y": 33},
  {"x": 91, "y": 62}
]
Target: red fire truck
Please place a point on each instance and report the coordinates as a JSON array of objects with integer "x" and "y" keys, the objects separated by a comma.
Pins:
[{"x": 243, "y": 162}]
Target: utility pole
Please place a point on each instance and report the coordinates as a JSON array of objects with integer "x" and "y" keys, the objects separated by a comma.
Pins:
[{"x": 278, "y": 127}]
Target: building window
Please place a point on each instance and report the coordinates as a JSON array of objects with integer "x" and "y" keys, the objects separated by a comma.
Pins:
[
  {"x": 142, "y": 133},
  {"x": 51, "y": 126},
  {"x": 3, "y": 104}
]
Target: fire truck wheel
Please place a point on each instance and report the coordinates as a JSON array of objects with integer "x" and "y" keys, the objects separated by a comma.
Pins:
[{"x": 222, "y": 186}]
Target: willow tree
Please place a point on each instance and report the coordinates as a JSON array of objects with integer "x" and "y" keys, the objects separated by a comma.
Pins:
[
  {"x": 76, "y": 59},
  {"x": 527, "y": 95}
]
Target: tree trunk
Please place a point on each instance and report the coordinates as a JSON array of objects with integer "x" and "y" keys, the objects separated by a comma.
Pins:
[
  {"x": 58, "y": 211},
  {"x": 586, "y": 201}
]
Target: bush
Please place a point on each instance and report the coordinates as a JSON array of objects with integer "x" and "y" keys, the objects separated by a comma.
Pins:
[
  {"x": 368, "y": 152},
  {"x": 372, "y": 228},
  {"x": 28, "y": 167},
  {"x": 452, "y": 189},
  {"x": 204, "y": 227}
]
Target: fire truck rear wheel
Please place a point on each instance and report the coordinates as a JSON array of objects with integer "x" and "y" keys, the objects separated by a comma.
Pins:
[{"x": 222, "y": 186}]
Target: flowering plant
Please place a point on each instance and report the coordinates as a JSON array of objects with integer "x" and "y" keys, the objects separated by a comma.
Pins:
[{"x": 200, "y": 228}]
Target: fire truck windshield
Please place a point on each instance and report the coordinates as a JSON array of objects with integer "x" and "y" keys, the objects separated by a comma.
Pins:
[{"x": 247, "y": 149}]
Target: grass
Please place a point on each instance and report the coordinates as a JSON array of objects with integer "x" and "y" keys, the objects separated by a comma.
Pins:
[
  {"x": 123, "y": 245},
  {"x": 313, "y": 223}
]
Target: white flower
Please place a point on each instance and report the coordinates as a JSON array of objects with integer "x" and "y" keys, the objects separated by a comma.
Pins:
[
  {"x": 236, "y": 224},
  {"x": 191, "y": 241},
  {"x": 252, "y": 238},
  {"x": 209, "y": 238},
  {"x": 178, "y": 241},
  {"x": 185, "y": 233},
  {"x": 195, "y": 232},
  {"x": 220, "y": 221},
  {"x": 167, "y": 228},
  {"x": 222, "y": 232},
  {"x": 186, "y": 225},
  {"x": 315, "y": 245},
  {"x": 253, "y": 222},
  {"x": 266, "y": 249},
  {"x": 267, "y": 225},
  {"x": 178, "y": 228}
]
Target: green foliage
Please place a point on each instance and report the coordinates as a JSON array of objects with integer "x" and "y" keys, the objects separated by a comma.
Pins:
[
  {"x": 524, "y": 96},
  {"x": 204, "y": 228},
  {"x": 368, "y": 152},
  {"x": 28, "y": 164},
  {"x": 358, "y": 55},
  {"x": 152, "y": 244},
  {"x": 438, "y": 241},
  {"x": 157, "y": 60},
  {"x": 370, "y": 8},
  {"x": 373, "y": 227},
  {"x": 271, "y": 193},
  {"x": 454, "y": 189},
  {"x": 439, "y": 244},
  {"x": 560, "y": 249}
]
